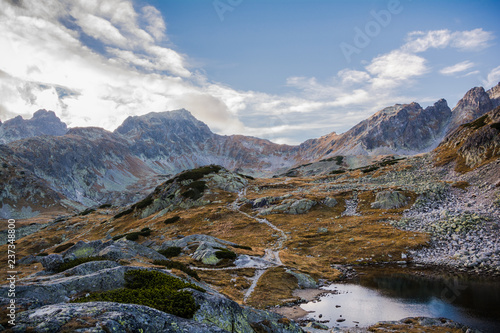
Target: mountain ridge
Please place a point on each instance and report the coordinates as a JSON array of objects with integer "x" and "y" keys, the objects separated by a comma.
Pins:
[{"x": 90, "y": 166}]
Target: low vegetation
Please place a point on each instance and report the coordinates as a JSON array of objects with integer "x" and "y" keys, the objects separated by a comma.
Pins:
[
  {"x": 133, "y": 236},
  {"x": 78, "y": 261},
  {"x": 171, "y": 252},
  {"x": 153, "y": 289},
  {"x": 171, "y": 220},
  {"x": 170, "y": 264}
]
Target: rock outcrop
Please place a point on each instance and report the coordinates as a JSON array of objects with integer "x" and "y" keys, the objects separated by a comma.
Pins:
[
  {"x": 472, "y": 143},
  {"x": 474, "y": 104},
  {"x": 43, "y": 122}
]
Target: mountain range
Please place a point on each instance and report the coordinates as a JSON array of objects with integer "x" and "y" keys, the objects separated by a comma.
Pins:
[{"x": 46, "y": 167}]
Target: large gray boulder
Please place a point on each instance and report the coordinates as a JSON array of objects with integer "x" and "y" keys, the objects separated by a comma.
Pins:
[
  {"x": 290, "y": 206},
  {"x": 389, "y": 200},
  {"x": 112, "y": 250},
  {"x": 230, "y": 316},
  {"x": 51, "y": 262},
  {"x": 59, "y": 288},
  {"x": 126, "y": 249},
  {"x": 103, "y": 317}
]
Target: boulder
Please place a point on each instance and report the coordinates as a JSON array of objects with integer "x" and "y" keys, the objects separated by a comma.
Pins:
[
  {"x": 84, "y": 249},
  {"x": 329, "y": 202},
  {"x": 51, "y": 262},
  {"x": 231, "y": 317},
  {"x": 290, "y": 206},
  {"x": 303, "y": 280},
  {"x": 60, "y": 287},
  {"x": 106, "y": 317},
  {"x": 126, "y": 249},
  {"x": 389, "y": 200}
]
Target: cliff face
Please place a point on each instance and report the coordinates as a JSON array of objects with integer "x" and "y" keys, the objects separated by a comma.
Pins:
[
  {"x": 474, "y": 104},
  {"x": 471, "y": 144}
]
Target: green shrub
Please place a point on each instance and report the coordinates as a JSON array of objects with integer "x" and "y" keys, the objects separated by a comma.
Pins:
[
  {"x": 106, "y": 205},
  {"x": 63, "y": 247},
  {"x": 133, "y": 236},
  {"x": 171, "y": 220},
  {"x": 194, "y": 190},
  {"x": 171, "y": 252},
  {"x": 478, "y": 123},
  {"x": 170, "y": 264},
  {"x": 87, "y": 211},
  {"x": 198, "y": 173},
  {"x": 390, "y": 162},
  {"x": 123, "y": 213},
  {"x": 339, "y": 160},
  {"x": 337, "y": 172},
  {"x": 142, "y": 279},
  {"x": 42, "y": 254},
  {"x": 153, "y": 289},
  {"x": 244, "y": 247},
  {"x": 78, "y": 261},
  {"x": 370, "y": 169},
  {"x": 144, "y": 203},
  {"x": 225, "y": 254}
]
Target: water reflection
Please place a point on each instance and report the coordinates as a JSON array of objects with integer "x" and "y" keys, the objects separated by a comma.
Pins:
[{"x": 395, "y": 296}]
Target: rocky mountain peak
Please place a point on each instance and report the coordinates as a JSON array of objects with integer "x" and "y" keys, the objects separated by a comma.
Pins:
[
  {"x": 43, "y": 122},
  {"x": 164, "y": 126},
  {"x": 474, "y": 104},
  {"x": 494, "y": 94}
]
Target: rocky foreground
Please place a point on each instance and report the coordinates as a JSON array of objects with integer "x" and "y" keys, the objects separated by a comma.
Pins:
[{"x": 212, "y": 251}]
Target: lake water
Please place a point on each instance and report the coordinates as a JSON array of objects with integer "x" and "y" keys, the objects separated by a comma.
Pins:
[{"x": 394, "y": 296}]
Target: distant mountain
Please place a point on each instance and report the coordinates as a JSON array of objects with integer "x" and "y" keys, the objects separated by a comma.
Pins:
[
  {"x": 402, "y": 129},
  {"x": 91, "y": 166},
  {"x": 474, "y": 104},
  {"x": 43, "y": 123}
]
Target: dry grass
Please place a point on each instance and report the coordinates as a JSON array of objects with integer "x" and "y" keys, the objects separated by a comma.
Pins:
[
  {"x": 232, "y": 283},
  {"x": 275, "y": 287},
  {"x": 349, "y": 240}
]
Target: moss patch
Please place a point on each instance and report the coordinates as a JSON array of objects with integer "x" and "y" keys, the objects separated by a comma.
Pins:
[
  {"x": 78, "y": 261},
  {"x": 153, "y": 289}
]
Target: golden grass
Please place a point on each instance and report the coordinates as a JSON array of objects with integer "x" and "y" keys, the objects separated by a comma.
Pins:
[{"x": 274, "y": 287}]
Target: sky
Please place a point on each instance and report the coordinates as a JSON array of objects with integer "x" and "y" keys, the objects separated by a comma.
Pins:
[{"x": 283, "y": 70}]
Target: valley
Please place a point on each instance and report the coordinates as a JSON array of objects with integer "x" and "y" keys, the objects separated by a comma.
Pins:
[{"x": 238, "y": 251}]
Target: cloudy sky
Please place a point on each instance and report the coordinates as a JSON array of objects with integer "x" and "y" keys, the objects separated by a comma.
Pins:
[{"x": 286, "y": 70}]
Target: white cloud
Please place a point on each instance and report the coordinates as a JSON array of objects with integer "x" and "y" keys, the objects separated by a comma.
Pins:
[
  {"x": 457, "y": 68},
  {"x": 101, "y": 29},
  {"x": 155, "y": 23},
  {"x": 397, "y": 65},
  {"x": 472, "y": 40},
  {"x": 493, "y": 78},
  {"x": 45, "y": 64}
]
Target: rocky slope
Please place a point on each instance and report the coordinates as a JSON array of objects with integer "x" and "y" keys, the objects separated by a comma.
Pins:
[
  {"x": 472, "y": 144},
  {"x": 249, "y": 244},
  {"x": 91, "y": 166},
  {"x": 403, "y": 129},
  {"x": 474, "y": 104}
]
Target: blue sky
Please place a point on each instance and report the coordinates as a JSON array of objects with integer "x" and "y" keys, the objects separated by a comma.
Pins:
[{"x": 286, "y": 70}]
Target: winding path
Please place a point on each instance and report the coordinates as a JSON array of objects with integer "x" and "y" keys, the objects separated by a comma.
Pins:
[{"x": 271, "y": 257}]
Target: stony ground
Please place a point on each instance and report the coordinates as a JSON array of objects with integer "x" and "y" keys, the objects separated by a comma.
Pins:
[{"x": 292, "y": 233}]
